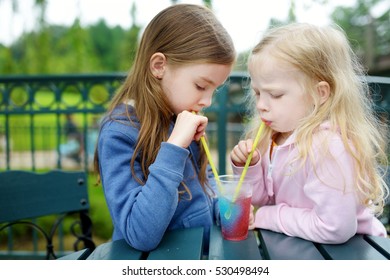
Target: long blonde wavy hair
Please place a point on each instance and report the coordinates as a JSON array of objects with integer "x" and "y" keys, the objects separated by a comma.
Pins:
[
  {"x": 324, "y": 54},
  {"x": 185, "y": 34}
]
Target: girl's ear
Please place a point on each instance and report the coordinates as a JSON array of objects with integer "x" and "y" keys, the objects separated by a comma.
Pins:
[
  {"x": 158, "y": 62},
  {"x": 323, "y": 90}
]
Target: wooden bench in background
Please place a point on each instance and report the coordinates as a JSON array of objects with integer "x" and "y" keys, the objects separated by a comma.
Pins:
[{"x": 26, "y": 196}]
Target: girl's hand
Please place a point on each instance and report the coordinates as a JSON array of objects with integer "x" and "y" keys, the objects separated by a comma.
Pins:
[
  {"x": 188, "y": 127},
  {"x": 251, "y": 218},
  {"x": 241, "y": 152}
]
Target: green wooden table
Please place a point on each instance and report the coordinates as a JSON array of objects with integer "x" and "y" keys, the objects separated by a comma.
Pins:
[{"x": 187, "y": 244}]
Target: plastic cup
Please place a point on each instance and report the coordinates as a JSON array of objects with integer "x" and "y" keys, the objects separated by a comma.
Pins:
[{"x": 234, "y": 214}]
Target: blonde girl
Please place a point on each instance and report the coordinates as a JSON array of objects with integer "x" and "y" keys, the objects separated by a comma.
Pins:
[{"x": 317, "y": 163}]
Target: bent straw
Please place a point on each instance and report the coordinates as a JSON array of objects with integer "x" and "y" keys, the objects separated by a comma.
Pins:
[
  {"x": 228, "y": 213},
  {"x": 209, "y": 158},
  {"x": 248, "y": 161}
]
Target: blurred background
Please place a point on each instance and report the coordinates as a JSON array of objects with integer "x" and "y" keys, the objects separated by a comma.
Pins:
[
  {"x": 92, "y": 36},
  {"x": 62, "y": 61}
]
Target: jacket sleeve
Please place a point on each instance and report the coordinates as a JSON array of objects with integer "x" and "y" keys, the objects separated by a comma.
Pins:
[
  {"x": 331, "y": 215},
  {"x": 141, "y": 213}
]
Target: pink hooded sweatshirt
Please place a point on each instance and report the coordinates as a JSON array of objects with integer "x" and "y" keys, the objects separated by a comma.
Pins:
[{"x": 320, "y": 204}]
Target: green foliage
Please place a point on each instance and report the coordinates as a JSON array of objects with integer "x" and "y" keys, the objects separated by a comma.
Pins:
[
  {"x": 6, "y": 63},
  {"x": 102, "y": 224},
  {"x": 241, "y": 63},
  {"x": 106, "y": 45},
  {"x": 208, "y": 3},
  {"x": 367, "y": 31},
  {"x": 58, "y": 49},
  {"x": 129, "y": 47}
]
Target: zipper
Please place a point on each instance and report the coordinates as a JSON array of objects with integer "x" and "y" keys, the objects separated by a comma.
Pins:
[{"x": 273, "y": 158}]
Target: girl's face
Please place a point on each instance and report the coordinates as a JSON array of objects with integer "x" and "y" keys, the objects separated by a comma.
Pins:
[
  {"x": 191, "y": 87},
  {"x": 281, "y": 99}
]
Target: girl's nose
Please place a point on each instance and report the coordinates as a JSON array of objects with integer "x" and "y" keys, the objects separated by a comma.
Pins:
[
  {"x": 206, "y": 100},
  {"x": 261, "y": 104}
]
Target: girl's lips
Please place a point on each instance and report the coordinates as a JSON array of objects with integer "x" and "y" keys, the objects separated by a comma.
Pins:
[{"x": 267, "y": 123}]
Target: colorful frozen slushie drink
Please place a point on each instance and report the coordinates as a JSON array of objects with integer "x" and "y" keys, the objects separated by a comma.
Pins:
[{"x": 234, "y": 214}]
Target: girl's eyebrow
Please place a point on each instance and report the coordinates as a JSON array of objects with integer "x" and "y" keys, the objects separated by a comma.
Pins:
[
  {"x": 207, "y": 80},
  {"x": 269, "y": 88}
]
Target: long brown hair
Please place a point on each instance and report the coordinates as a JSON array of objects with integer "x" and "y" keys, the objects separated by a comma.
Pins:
[{"x": 185, "y": 34}]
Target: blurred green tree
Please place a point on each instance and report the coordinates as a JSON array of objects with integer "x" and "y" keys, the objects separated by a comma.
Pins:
[
  {"x": 53, "y": 49},
  {"x": 130, "y": 44},
  {"x": 367, "y": 25},
  {"x": 106, "y": 45}
]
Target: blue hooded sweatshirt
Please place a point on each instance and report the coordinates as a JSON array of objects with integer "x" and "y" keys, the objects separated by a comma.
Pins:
[{"x": 141, "y": 214}]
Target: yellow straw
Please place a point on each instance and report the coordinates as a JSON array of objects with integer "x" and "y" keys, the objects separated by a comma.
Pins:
[
  {"x": 209, "y": 158},
  {"x": 207, "y": 151},
  {"x": 248, "y": 161}
]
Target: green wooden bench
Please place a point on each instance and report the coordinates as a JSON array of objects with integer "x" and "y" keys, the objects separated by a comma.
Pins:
[{"x": 27, "y": 196}]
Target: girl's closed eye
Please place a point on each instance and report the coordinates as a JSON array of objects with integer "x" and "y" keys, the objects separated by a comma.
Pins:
[
  {"x": 200, "y": 87},
  {"x": 276, "y": 95}
]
